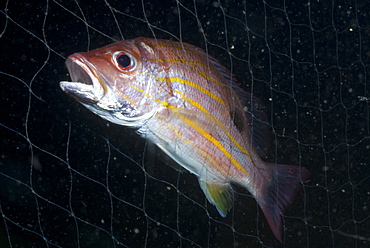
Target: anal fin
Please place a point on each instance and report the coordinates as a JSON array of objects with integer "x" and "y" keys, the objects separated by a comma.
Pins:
[{"x": 219, "y": 194}]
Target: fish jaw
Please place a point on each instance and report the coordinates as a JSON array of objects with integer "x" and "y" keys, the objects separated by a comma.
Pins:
[
  {"x": 87, "y": 85},
  {"x": 91, "y": 89}
]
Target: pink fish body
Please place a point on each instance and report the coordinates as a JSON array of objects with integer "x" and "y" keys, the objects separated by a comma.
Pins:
[{"x": 185, "y": 102}]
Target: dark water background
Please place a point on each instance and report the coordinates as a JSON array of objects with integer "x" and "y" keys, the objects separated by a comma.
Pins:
[{"x": 68, "y": 179}]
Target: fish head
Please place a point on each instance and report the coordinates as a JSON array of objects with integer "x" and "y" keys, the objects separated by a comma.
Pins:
[{"x": 112, "y": 82}]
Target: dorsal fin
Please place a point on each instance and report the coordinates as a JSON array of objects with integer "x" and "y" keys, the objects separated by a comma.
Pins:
[
  {"x": 258, "y": 125},
  {"x": 252, "y": 108}
]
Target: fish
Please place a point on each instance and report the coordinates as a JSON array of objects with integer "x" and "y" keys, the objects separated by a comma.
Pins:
[{"x": 183, "y": 100}]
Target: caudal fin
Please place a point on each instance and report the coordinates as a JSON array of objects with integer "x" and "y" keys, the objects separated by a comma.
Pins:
[{"x": 277, "y": 193}]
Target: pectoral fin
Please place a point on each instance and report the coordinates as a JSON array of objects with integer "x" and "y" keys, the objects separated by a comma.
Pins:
[{"x": 220, "y": 195}]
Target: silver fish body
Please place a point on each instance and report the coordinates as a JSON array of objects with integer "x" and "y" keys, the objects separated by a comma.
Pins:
[{"x": 185, "y": 102}]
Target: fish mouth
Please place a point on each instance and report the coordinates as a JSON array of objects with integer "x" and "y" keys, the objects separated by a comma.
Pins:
[
  {"x": 87, "y": 85},
  {"x": 91, "y": 89}
]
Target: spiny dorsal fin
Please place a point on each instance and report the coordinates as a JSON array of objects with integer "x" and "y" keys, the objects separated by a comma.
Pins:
[
  {"x": 257, "y": 121},
  {"x": 258, "y": 125}
]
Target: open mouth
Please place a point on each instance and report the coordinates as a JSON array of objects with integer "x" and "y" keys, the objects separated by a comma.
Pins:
[
  {"x": 91, "y": 89},
  {"x": 87, "y": 85},
  {"x": 79, "y": 70}
]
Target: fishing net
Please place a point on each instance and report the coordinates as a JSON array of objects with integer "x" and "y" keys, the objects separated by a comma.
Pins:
[{"x": 71, "y": 179}]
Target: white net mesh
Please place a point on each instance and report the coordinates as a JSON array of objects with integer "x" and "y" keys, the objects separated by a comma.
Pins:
[{"x": 70, "y": 179}]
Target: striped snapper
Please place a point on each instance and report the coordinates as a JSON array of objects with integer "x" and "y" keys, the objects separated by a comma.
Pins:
[{"x": 187, "y": 103}]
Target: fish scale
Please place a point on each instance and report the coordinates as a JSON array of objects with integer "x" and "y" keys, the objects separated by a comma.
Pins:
[{"x": 189, "y": 105}]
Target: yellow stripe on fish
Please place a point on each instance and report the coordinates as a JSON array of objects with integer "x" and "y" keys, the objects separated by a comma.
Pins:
[
  {"x": 238, "y": 145},
  {"x": 182, "y": 61},
  {"x": 183, "y": 48},
  {"x": 200, "y": 107},
  {"x": 204, "y": 154},
  {"x": 195, "y": 85},
  {"x": 194, "y": 103},
  {"x": 213, "y": 141},
  {"x": 211, "y": 79},
  {"x": 219, "y": 123},
  {"x": 164, "y": 103}
]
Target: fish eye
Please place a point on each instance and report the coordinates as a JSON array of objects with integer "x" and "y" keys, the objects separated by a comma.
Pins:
[{"x": 124, "y": 61}]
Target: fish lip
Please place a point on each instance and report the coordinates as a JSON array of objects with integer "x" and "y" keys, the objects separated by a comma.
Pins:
[{"x": 87, "y": 85}]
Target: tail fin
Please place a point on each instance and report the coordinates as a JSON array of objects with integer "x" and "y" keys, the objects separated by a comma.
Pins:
[{"x": 278, "y": 192}]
